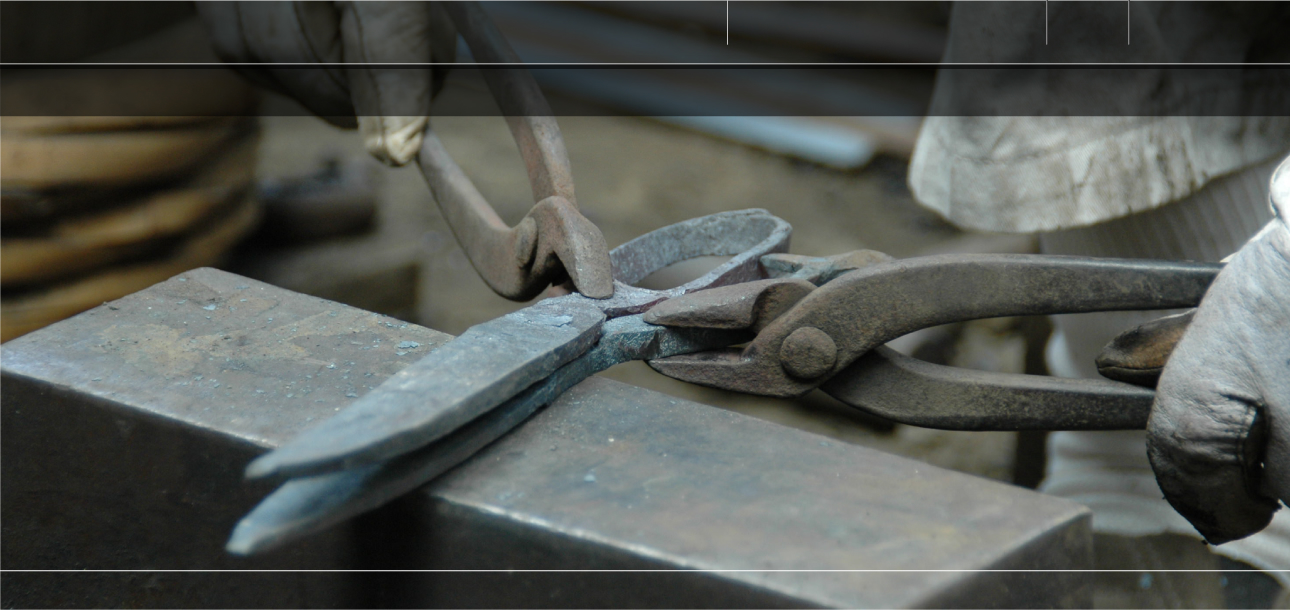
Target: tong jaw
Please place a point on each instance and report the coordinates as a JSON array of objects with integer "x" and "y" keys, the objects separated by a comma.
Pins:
[{"x": 802, "y": 353}]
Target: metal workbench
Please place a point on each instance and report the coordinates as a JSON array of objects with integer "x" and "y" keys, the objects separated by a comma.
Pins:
[{"x": 126, "y": 429}]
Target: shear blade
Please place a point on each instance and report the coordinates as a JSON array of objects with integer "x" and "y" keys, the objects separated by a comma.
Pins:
[
  {"x": 485, "y": 366},
  {"x": 730, "y": 369},
  {"x": 749, "y": 305},
  {"x": 716, "y": 368}
]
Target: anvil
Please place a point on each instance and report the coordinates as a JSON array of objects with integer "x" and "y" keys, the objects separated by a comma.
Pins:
[{"x": 126, "y": 428}]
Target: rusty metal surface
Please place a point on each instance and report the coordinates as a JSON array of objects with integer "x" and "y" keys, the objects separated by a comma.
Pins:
[
  {"x": 554, "y": 242},
  {"x": 121, "y": 451},
  {"x": 864, "y": 308},
  {"x": 492, "y": 362},
  {"x": 754, "y": 305},
  {"x": 907, "y": 390}
]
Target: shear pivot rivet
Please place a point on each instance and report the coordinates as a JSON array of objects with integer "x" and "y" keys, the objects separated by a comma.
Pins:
[{"x": 808, "y": 353}]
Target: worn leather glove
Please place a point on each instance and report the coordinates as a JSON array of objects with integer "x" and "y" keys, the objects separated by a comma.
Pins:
[
  {"x": 1219, "y": 433},
  {"x": 392, "y": 104}
]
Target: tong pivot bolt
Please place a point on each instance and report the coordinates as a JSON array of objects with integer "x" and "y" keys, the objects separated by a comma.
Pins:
[{"x": 808, "y": 353}]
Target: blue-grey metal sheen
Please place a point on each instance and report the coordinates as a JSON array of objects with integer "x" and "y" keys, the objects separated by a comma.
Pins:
[
  {"x": 444, "y": 390},
  {"x": 310, "y": 504},
  {"x": 492, "y": 362}
]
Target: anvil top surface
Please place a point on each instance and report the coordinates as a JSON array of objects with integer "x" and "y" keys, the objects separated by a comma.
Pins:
[
  {"x": 224, "y": 352},
  {"x": 672, "y": 482}
]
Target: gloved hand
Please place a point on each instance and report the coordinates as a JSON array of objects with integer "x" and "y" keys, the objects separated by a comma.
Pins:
[
  {"x": 1219, "y": 433},
  {"x": 391, "y": 104}
]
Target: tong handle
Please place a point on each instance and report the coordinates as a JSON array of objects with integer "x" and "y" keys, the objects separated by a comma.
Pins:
[
  {"x": 832, "y": 326},
  {"x": 896, "y": 298},
  {"x": 909, "y": 391},
  {"x": 521, "y": 101},
  {"x": 554, "y": 240}
]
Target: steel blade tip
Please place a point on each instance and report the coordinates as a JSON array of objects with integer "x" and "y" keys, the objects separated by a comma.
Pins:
[
  {"x": 262, "y": 467},
  {"x": 328, "y": 449},
  {"x": 247, "y": 540},
  {"x": 286, "y": 462},
  {"x": 704, "y": 309}
]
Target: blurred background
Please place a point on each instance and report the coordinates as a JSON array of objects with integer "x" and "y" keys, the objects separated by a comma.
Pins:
[{"x": 97, "y": 207}]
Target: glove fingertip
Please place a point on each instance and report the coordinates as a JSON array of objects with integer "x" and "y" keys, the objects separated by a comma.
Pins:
[
  {"x": 404, "y": 140},
  {"x": 393, "y": 140}
]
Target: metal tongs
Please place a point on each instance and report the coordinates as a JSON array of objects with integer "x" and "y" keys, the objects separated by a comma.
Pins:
[{"x": 823, "y": 322}]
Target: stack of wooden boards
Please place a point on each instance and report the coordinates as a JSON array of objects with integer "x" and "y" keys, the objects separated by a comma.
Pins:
[{"x": 93, "y": 208}]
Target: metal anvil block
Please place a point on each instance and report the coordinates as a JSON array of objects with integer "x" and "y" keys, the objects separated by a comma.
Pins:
[{"x": 126, "y": 429}]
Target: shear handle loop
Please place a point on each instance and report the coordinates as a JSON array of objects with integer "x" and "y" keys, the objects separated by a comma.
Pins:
[
  {"x": 526, "y": 110},
  {"x": 553, "y": 242}
]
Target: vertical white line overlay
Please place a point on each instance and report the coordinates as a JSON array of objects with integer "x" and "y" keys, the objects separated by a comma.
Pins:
[
  {"x": 1045, "y": 22},
  {"x": 1128, "y": 19},
  {"x": 728, "y": 22}
]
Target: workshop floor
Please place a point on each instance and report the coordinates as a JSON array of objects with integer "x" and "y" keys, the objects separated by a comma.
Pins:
[{"x": 634, "y": 175}]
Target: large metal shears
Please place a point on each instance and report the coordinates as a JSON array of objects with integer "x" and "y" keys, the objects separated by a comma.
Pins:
[
  {"x": 807, "y": 323},
  {"x": 440, "y": 410}
]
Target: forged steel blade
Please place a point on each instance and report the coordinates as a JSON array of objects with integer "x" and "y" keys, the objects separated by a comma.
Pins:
[
  {"x": 306, "y": 505},
  {"x": 492, "y": 362},
  {"x": 452, "y": 385}
]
